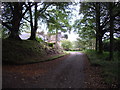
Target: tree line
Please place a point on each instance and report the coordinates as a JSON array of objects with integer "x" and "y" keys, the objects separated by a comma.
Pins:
[
  {"x": 100, "y": 20},
  {"x": 16, "y": 15}
]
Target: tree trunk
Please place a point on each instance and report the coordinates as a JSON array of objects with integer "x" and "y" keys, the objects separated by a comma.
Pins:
[
  {"x": 14, "y": 34},
  {"x": 17, "y": 12},
  {"x": 111, "y": 30},
  {"x": 96, "y": 44},
  {"x": 31, "y": 24},
  {"x": 56, "y": 42},
  {"x": 33, "y": 28},
  {"x": 33, "y": 35},
  {"x": 99, "y": 31},
  {"x": 100, "y": 44},
  {"x": 96, "y": 9}
]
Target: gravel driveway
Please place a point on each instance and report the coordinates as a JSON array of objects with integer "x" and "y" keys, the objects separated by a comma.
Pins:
[
  {"x": 68, "y": 74},
  {"x": 64, "y": 72}
]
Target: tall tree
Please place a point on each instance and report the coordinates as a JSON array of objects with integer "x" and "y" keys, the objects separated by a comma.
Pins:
[
  {"x": 98, "y": 28},
  {"x": 111, "y": 29},
  {"x": 113, "y": 7},
  {"x": 36, "y": 14},
  {"x": 35, "y": 26},
  {"x": 97, "y": 13},
  {"x": 58, "y": 20},
  {"x": 13, "y": 13}
]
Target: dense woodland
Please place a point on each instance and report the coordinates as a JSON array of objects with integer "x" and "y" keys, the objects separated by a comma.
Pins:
[
  {"x": 98, "y": 28},
  {"x": 100, "y": 23}
]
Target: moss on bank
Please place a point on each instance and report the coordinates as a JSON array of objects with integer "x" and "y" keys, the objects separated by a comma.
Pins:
[{"x": 25, "y": 51}]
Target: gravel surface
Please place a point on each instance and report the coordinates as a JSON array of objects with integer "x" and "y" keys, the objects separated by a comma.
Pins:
[{"x": 69, "y": 71}]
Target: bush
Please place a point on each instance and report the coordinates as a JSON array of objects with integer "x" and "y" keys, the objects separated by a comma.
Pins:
[
  {"x": 39, "y": 39},
  {"x": 106, "y": 45},
  {"x": 51, "y": 44},
  {"x": 110, "y": 69},
  {"x": 67, "y": 45}
]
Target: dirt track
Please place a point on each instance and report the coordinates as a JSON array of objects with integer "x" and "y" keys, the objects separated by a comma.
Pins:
[{"x": 65, "y": 72}]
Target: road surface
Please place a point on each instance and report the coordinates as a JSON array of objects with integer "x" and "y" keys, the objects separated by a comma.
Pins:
[{"x": 66, "y": 72}]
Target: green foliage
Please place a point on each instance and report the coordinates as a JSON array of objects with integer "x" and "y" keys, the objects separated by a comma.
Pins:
[
  {"x": 77, "y": 45},
  {"x": 110, "y": 69},
  {"x": 56, "y": 56},
  {"x": 4, "y": 33},
  {"x": 85, "y": 27},
  {"x": 58, "y": 19},
  {"x": 106, "y": 45},
  {"x": 66, "y": 44},
  {"x": 39, "y": 39},
  {"x": 85, "y": 43},
  {"x": 50, "y": 44}
]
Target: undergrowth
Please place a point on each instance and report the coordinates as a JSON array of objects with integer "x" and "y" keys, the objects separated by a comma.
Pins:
[{"x": 110, "y": 69}]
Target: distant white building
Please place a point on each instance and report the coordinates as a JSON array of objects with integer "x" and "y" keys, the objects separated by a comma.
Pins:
[{"x": 46, "y": 38}]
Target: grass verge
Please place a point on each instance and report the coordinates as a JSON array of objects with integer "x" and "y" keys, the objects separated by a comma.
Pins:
[
  {"x": 54, "y": 57},
  {"x": 38, "y": 60},
  {"x": 110, "y": 69}
]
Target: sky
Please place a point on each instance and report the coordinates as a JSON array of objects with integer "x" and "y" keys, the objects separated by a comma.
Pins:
[{"x": 72, "y": 36}]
